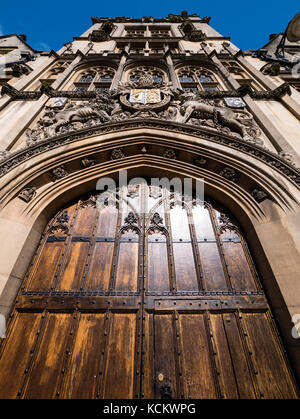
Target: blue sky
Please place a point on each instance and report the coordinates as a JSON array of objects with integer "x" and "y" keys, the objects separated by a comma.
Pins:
[{"x": 50, "y": 24}]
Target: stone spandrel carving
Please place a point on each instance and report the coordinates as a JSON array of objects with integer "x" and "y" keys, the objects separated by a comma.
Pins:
[
  {"x": 75, "y": 115},
  {"x": 196, "y": 110},
  {"x": 185, "y": 108}
]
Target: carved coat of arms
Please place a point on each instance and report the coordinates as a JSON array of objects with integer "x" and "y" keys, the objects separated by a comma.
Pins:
[{"x": 145, "y": 96}]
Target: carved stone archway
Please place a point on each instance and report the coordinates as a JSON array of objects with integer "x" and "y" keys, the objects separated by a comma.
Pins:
[{"x": 59, "y": 174}]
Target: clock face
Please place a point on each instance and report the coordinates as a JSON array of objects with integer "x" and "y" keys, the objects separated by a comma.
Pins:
[{"x": 234, "y": 102}]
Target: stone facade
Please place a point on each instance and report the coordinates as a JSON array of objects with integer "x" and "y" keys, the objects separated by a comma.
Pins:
[{"x": 167, "y": 93}]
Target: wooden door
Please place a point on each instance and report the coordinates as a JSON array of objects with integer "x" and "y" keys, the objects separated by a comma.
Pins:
[{"x": 159, "y": 303}]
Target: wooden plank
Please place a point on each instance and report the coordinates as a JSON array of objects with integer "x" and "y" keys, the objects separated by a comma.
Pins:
[
  {"x": 214, "y": 278},
  {"x": 119, "y": 374},
  {"x": 16, "y": 354},
  {"x": 100, "y": 266},
  {"x": 202, "y": 223},
  {"x": 46, "y": 371},
  {"x": 74, "y": 265},
  {"x": 83, "y": 369},
  {"x": 127, "y": 268},
  {"x": 186, "y": 276},
  {"x": 240, "y": 364},
  {"x": 106, "y": 226},
  {"x": 197, "y": 366},
  {"x": 43, "y": 272},
  {"x": 179, "y": 224},
  {"x": 85, "y": 221},
  {"x": 148, "y": 357},
  {"x": 158, "y": 266},
  {"x": 238, "y": 267},
  {"x": 227, "y": 378},
  {"x": 272, "y": 375},
  {"x": 164, "y": 355}
]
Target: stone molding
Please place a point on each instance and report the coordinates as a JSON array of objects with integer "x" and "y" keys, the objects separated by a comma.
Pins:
[{"x": 271, "y": 159}]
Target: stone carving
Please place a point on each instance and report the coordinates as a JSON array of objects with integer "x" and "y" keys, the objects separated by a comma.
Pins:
[
  {"x": 18, "y": 69},
  {"x": 4, "y": 154},
  {"x": 240, "y": 121},
  {"x": 88, "y": 162},
  {"x": 169, "y": 154},
  {"x": 59, "y": 173},
  {"x": 117, "y": 153},
  {"x": 289, "y": 157},
  {"x": 27, "y": 194},
  {"x": 259, "y": 195},
  {"x": 75, "y": 115},
  {"x": 271, "y": 69},
  {"x": 229, "y": 173},
  {"x": 196, "y": 36},
  {"x": 199, "y": 161},
  {"x": 99, "y": 36},
  {"x": 60, "y": 224},
  {"x": 273, "y": 160}
]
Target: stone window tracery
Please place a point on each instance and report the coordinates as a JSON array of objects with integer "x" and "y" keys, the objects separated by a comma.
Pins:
[
  {"x": 98, "y": 78},
  {"x": 193, "y": 79},
  {"x": 157, "y": 74},
  {"x": 135, "y": 32},
  {"x": 240, "y": 74}
]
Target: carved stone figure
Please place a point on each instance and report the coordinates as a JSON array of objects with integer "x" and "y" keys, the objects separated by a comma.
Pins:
[
  {"x": 27, "y": 194},
  {"x": 220, "y": 115},
  {"x": 72, "y": 113},
  {"x": 199, "y": 161},
  {"x": 259, "y": 195},
  {"x": 289, "y": 157},
  {"x": 60, "y": 224},
  {"x": 88, "y": 162},
  {"x": 271, "y": 69}
]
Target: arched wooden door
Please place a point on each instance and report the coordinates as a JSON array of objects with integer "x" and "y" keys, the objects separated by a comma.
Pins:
[{"x": 165, "y": 304}]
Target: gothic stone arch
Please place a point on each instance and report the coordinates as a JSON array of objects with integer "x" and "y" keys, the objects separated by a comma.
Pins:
[{"x": 263, "y": 200}]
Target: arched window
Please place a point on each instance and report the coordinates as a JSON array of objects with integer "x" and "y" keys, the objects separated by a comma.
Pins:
[
  {"x": 157, "y": 74},
  {"x": 98, "y": 79},
  {"x": 194, "y": 79}
]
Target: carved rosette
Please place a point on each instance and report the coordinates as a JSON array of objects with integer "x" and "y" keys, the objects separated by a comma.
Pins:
[
  {"x": 170, "y": 154},
  {"x": 59, "y": 173},
  {"x": 229, "y": 173},
  {"x": 116, "y": 154}
]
